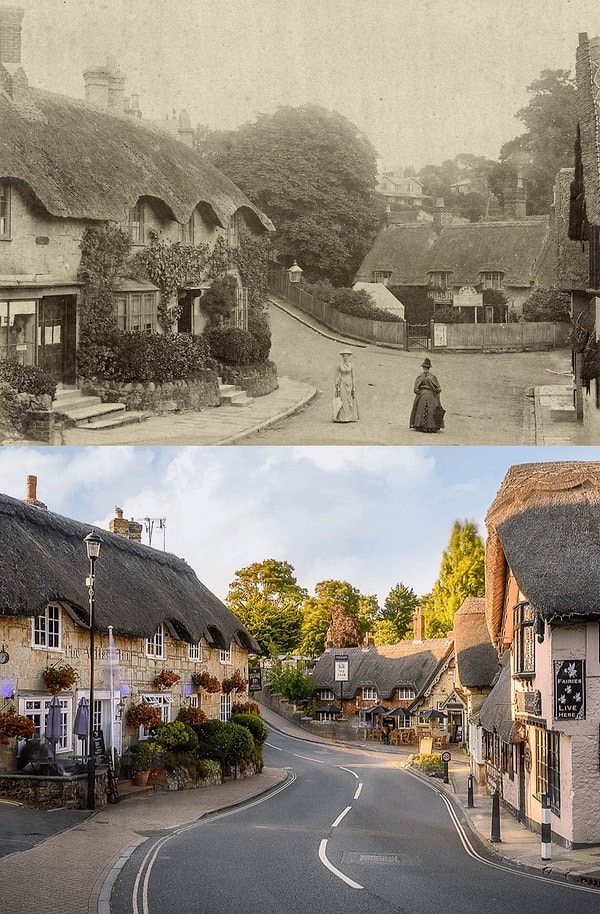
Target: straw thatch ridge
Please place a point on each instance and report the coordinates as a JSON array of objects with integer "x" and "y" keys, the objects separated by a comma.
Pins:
[
  {"x": 544, "y": 524},
  {"x": 83, "y": 162},
  {"x": 587, "y": 67},
  {"x": 385, "y": 668},
  {"x": 43, "y": 559},
  {"x": 476, "y": 657}
]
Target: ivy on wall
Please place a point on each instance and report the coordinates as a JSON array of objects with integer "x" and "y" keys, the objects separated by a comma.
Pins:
[{"x": 104, "y": 251}]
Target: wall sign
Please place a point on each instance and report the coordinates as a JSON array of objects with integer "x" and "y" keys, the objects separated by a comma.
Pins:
[{"x": 569, "y": 689}]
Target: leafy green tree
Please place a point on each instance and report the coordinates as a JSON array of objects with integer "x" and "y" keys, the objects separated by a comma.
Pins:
[
  {"x": 550, "y": 119},
  {"x": 267, "y": 598},
  {"x": 314, "y": 174},
  {"x": 462, "y": 575},
  {"x": 396, "y": 618},
  {"x": 548, "y": 305},
  {"x": 317, "y": 612},
  {"x": 291, "y": 682}
]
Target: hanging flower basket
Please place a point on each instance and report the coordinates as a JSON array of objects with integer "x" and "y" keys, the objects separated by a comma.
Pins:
[
  {"x": 13, "y": 724},
  {"x": 165, "y": 679},
  {"x": 234, "y": 683},
  {"x": 193, "y": 717},
  {"x": 206, "y": 681},
  {"x": 144, "y": 715},
  {"x": 59, "y": 678}
]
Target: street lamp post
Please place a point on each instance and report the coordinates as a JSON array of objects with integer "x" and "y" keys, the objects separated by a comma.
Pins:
[{"x": 92, "y": 544}]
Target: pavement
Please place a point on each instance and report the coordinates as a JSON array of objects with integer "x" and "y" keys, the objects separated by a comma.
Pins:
[
  {"x": 81, "y": 859},
  {"x": 552, "y": 420}
]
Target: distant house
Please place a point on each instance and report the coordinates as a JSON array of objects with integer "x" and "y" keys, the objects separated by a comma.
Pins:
[
  {"x": 67, "y": 164},
  {"x": 541, "y": 721},
  {"x": 162, "y": 618},
  {"x": 398, "y": 191},
  {"x": 381, "y": 297},
  {"x": 584, "y": 228},
  {"x": 509, "y": 257}
]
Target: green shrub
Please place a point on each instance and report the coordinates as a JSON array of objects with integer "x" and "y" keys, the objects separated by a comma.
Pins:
[
  {"x": 142, "y": 755},
  {"x": 232, "y": 345},
  {"x": 27, "y": 379},
  {"x": 260, "y": 328},
  {"x": 219, "y": 301},
  {"x": 348, "y": 301},
  {"x": 254, "y": 724},
  {"x": 176, "y": 735},
  {"x": 550, "y": 304},
  {"x": 207, "y": 768},
  {"x": 290, "y": 682},
  {"x": 431, "y": 765},
  {"x": 133, "y": 357},
  {"x": 213, "y": 741},
  {"x": 240, "y": 744}
]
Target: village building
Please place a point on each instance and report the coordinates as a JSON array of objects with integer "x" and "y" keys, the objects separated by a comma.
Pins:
[
  {"x": 157, "y": 629},
  {"x": 541, "y": 722},
  {"x": 69, "y": 164}
]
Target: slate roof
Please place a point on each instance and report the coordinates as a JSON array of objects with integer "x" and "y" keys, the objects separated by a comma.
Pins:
[
  {"x": 516, "y": 248},
  {"x": 43, "y": 559},
  {"x": 544, "y": 524},
  {"x": 84, "y": 162},
  {"x": 476, "y": 657},
  {"x": 408, "y": 663}
]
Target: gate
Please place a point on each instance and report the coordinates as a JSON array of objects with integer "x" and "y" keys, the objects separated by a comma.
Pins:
[{"x": 418, "y": 336}]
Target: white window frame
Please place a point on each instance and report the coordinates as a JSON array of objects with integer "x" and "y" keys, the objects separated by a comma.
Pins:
[
  {"x": 136, "y": 223},
  {"x": 225, "y": 656},
  {"x": 5, "y": 210},
  {"x": 405, "y": 693},
  {"x": 225, "y": 707},
  {"x": 36, "y": 708},
  {"x": 326, "y": 695},
  {"x": 492, "y": 279},
  {"x": 369, "y": 693},
  {"x": 45, "y": 629},
  {"x": 157, "y": 700},
  {"x": 137, "y": 311},
  {"x": 195, "y": 651},
  {"x": 155, "y": 646}
]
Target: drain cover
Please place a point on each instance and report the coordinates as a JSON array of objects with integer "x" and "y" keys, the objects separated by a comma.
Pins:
[{"x": 379, "y": 859}]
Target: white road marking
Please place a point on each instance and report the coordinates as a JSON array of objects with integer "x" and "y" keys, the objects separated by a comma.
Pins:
[
  {"x": 358, "y": 791},
  {"x": 341, "y": 816},
  {"x": 349, "y": 770},
  {"x": 333, "y": 869}
]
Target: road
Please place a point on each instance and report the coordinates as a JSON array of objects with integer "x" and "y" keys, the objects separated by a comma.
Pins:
[
  {"x": 349, "y": 831},
  {"x": 484, "y": 394}
]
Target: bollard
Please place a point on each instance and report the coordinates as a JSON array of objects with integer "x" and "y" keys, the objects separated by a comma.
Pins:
[
  {"x": 546, "y": 828},
  {"x": 470, "y": 791},
  {"x": 495, "y": 835}
]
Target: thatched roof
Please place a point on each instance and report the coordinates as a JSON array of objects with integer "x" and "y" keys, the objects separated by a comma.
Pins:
[
  {"x": 386, "y": 668},
  {"x": 495, "y": 713},
  {"x": 544, "y": 524},
  {"x": 83, "y": 162},
  {"x": 476, "y": 657},
  {"x": 43, "y": 559},
  {"x": 588, "y": 114},
  {"x": 515, "y": 248}
]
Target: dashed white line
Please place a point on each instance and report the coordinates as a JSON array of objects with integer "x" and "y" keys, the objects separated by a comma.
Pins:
[
  {"x": 341, "y": 816},
  {"x": 333, "y": 869},
  {"x": 358, "y": 791}
]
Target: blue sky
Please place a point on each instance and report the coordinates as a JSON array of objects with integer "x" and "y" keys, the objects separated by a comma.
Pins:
[
  {"x": 371, "y": 516},
  {"x": 424, "y": 79}
]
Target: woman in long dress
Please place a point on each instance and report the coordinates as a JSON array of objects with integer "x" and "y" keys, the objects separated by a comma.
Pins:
[
  {"x": 344, "y": 389},
  {"x": 427, "y": 414}
]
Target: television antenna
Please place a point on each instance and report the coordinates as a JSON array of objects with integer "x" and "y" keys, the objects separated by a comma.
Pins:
[{"x": 149, "y": 524}]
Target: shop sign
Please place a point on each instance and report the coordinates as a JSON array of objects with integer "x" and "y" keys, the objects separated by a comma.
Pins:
[
  {"x": 468, "y": 297},
  {"x": 529, "y": 702},
  {"x": 569, "y": 689},
  {"x": 342, "y": 673}
]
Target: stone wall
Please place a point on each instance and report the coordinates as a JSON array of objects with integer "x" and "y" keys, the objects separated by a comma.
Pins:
[
  {"x": 159, "y": 397},
  {"x": 43, "y": 792},
  {"x": 339, "y": 729},
  {"x": 257, "y": 380},
  {"x": 25, "y": 415}
]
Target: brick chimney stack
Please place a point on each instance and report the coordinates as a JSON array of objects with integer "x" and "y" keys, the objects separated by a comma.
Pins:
[
  {"x": 418, "y": 625},
  {"x": 105, "y": 86},
  {"x": 31, "y": 498},
  {"x": 130, "y": 529},
  {"x": 12, "y": 76},
  {"x": 515, "y": 200}
]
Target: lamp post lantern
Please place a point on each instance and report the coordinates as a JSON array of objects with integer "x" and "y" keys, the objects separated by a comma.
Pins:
[
  {"x": 295, "y": 273},
  {"x": 92, "y": 544}
]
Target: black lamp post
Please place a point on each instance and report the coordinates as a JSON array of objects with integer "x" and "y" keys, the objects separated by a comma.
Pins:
[{"x": 92, "y": 544}]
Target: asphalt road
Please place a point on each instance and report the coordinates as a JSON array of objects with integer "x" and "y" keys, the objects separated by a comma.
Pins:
[
  {"x": 351, "y": 831},
  {"x": 485, "y": 395}
]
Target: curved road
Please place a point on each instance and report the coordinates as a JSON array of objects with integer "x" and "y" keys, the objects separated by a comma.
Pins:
[
  {"x": 350, "y": 831},
  {"x": 484, "y": 394}
]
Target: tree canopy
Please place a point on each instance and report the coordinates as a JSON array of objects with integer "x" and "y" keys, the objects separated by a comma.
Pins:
[
  {"x": 318, "y": 613},
  {"x": 395, "y": 621},
  {"x": 268, "y": 599},
  {"x": 462, "y": 575},
  {"x": 314, "y": 174}
]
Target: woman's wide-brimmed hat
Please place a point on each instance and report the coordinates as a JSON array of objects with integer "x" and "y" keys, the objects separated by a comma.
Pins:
[
  {"x": 345, "y": 352},
  {"x": 425, "y": 363}
]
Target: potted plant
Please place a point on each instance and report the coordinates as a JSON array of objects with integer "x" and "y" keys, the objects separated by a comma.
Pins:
[
  {"x": 141, "y": 762},
  {"x": 58, "y": 678},
  {"x": 235, "y": 683},
  {"x": 143, "y": 715},
  {"x": 205, "y": 681},
  {"x": 165, "y": 679}
]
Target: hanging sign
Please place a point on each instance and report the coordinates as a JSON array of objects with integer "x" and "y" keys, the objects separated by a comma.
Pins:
[
  {"x": 569, "y": 689},
  {"x": 254, "y": 679},
  {"x": 341, "y": 666}
]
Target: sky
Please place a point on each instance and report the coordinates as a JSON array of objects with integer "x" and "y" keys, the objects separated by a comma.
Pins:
[
  {"x": 425, "y": 80},
  {"x": 372, "y": 516}
]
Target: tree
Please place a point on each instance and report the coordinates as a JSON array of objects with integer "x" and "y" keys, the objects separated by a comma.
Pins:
[
  {"x": 395, "y": 622},
  {"x": 318, "y": 611},
  {"x": 548, "y": 305},
  {"x": 462, "y": 575},
  {"x": 314, "y": 174},
  {"x": 344, "y": 628},
  {"x": 548, "y": 144},
  {"x": 268, "y": 599}
]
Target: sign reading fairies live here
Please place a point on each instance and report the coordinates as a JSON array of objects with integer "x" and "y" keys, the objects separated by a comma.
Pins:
[{"x": 569, "y": 689}]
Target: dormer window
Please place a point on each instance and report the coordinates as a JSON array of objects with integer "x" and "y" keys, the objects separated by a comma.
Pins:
[
  {"x": 382, "y": 276},
  {"x": 4, "y": 211},
  {"x": 492, "y": 279},
  {"x": 524, "y": 640},
  {"x": 155, "y": 646},
  {"x": 440, "y": 279},
  {"x": 186, "y": 231},
  {"x": 136, "y": 223}
]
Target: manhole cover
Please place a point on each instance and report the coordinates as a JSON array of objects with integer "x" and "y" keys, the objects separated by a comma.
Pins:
[{"x": 379, "y": 859}]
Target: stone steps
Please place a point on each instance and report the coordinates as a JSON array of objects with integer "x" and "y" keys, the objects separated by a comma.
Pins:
[
  {"x": 91, "y": 413},
  {"x": 231, "y": 395}
]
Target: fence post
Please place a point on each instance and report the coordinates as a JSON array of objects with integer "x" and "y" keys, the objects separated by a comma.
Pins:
[
  {"x": 495, "y": 835},
  {"x": 470, "y": 791},
  {"x": 546, "y": 828}
]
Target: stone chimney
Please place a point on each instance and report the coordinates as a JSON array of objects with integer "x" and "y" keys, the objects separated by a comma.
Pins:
[
  {"x": 418, "y": 625},
  {"x": 130, "y": 529},
  {"x": 515, "y": 201},
  {"x": 31, "y": 498},
  {"x": 13, "y": 79},
  {"x": 186, "y": 133},
  {"x": 105, "y": 86}
]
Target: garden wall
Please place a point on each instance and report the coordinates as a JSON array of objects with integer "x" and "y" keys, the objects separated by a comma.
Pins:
[
  {"x": 44, "y": 792},
  {"x": 257, "y": 380},
  {"x": 342, "y": 729},
  {"x": 159, "y": 397}
]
